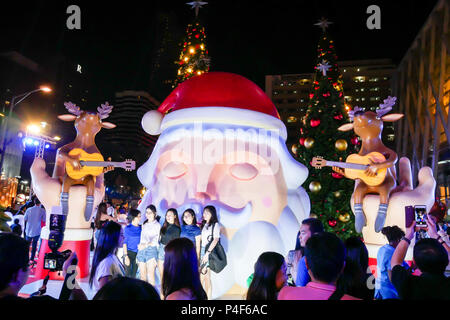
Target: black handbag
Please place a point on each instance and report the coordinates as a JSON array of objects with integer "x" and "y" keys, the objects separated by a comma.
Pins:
[{"x": 217, "y": 257}]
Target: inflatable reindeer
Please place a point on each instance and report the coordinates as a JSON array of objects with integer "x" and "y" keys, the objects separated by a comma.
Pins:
[
  {"x": 380, "y": 160},
  {"x": 68, "y": 166}
]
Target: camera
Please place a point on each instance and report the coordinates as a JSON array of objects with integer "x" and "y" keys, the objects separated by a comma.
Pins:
[{"x": 54, "y": 260}]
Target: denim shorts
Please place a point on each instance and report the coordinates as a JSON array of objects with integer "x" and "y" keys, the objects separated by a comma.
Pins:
[
  {"x": 161, "y": 251},
  {"x": 147, "y": 254},
  {"x": 202, "y": 253}
]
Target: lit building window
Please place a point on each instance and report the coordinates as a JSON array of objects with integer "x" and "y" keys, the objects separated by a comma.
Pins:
[
  {"x": 362, "y": 89},
  {"x": 373, "y": 79},
  {"x": 363, "y": 99},
  {"x": 295, "y": 91},
  {"x": 359, "y": 79},
  {"x": 275, "y": 93},
  {"x": 281, "y": 84},
  {"x": 357, "y": 99},
  {"x": 291, "y": 119},
  {"x": 345, "y": 70},
  {"x": 356, "y": 90},
  {"x": 348, "y": 98},
  {"x": 357, "y": 70},
  {"x": 391, "y": 137}
]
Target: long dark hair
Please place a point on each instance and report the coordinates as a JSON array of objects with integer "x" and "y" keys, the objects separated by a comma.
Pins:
[
  {"x": 166, "y": 224},
  {"x": 152, "y": 209},
  {"x": 354, "y": 277},
  {"x": 108, "y": 241},
  {"x": 192, "y": 213},
  {"x": 181, "y": 269},
  {"x": 100, "y": 210},
  {"x": 263, "y": 286},
  {"x": 213, "y": 219}
]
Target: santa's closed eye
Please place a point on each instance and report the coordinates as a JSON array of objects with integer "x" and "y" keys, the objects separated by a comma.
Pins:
[
  {"x": 175, "y": 170},
  {"x": 243, "y": 171}
]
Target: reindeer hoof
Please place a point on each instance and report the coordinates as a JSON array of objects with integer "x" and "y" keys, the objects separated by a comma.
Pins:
[{"x": 360, "y": 222}]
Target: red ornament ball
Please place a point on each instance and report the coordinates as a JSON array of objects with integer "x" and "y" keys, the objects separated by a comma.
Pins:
[
  {"x": 332, "y": 222},
  {"x": 197, "y": 36},
  {"x": 302, "y": 141},
  {"x": 354, "y": 140},
  {"x": 314, "y": 122},
  {"x": 338, "y": 117},
  {"x": 311, "y": 95}
]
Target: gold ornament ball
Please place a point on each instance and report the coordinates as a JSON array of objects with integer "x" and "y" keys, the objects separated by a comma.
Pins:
[
  {"x": 309, "y": 142},
  {"x": 344, "y": 217},
  {"x": 294, "y": 149},
  {"x": 313, "y": 215},
  {"x": 341, "y": 145},
  {"x": 337, "y": 194},
  {"x": 315, "y": 186}
]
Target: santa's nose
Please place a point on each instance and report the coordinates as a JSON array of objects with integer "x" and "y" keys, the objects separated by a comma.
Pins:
[{"x": 202, "y": 197}]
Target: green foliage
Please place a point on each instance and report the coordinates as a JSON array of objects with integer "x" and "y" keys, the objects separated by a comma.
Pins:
[
  {"x": 327, "y": 105},
  {"x": 194, "y": 59}
]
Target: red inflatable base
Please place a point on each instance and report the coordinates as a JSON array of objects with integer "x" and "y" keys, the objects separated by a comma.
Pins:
[{"x": 81, "y": 247}]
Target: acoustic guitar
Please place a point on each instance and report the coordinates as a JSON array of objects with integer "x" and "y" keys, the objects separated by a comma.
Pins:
[
  {"x": 93, "y": 164},
  {"x": 354, "y": 167}
]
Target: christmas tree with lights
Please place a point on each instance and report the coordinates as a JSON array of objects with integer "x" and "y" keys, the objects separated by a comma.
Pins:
[
  {"x": 328, "y": 191},
  {"x": 194, "y": 59}
]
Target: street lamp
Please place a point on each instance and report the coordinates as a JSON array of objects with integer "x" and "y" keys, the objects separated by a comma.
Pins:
[{"x": 13, "y": 103}]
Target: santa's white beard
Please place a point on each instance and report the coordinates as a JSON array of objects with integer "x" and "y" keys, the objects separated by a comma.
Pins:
[{"x": 251, "y": 239}]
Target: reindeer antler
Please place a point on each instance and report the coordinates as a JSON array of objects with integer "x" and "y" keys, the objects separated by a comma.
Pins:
[
  {"x": 351, "y": 113},
  {"x": 104, "y": 110},
  {"x": 73, "y": 108},
  {"x": 386, "y": 106}
]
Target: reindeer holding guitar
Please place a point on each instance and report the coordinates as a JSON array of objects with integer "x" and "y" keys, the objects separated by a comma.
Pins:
[
  {"x": 374, "y": 167},
  {"x": 80, "y": 162}
]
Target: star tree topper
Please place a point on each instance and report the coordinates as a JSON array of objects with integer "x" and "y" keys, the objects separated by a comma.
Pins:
[
  {"x": 196, "y": 5},
  {"x": 324, "y": 66},
  {"x": 323, "y": 23}
]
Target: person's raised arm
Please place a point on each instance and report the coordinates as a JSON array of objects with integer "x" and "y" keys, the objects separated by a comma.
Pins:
[{"x": 400, "y": 252}]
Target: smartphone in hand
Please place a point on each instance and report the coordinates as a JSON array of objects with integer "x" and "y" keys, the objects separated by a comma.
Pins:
[
  {"x": 409, "y": 216},
  {"x": 420, "y": 215}
]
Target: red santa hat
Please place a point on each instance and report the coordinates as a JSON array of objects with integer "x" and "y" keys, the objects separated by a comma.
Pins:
[{"x": 215, "y": 97}]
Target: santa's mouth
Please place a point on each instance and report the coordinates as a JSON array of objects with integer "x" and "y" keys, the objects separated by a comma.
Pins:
[{"x": 229, "y": 217}]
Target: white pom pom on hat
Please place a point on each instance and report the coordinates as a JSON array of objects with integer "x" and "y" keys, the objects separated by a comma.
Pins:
[
  {"x": 151, "y": 122},
  {"x": 213, "y": 89}
]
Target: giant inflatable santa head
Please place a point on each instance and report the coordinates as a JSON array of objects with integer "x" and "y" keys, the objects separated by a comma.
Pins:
[{"x": 222, "y": 143}]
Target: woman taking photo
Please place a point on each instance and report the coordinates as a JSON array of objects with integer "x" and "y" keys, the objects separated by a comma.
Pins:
[
  {"x": 210, "y": 235},
  {"x": 269, "y": 277},
  {"x": 169, "y": 231},
  {"x": 105, "y": 264},
  {"x": 190, "y": 230},
  {"x": 148, "y": 246},
  {"x": 180, "y": 279}
]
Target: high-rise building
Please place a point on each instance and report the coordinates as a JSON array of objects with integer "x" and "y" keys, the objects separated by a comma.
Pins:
[
  {"x": 128, "y": 137},
  {"x": 366, "y": 84},
  {"x": 422, "y": 84}
]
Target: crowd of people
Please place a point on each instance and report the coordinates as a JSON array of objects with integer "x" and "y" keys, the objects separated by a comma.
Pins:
[{"x": 130, "y": 247}]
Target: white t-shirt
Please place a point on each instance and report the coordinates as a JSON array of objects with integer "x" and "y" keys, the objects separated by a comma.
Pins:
[
  {"x": 150, "y": 233},
  {"x": 110, "y": 266},
  {"x": 110, "y": 211},
  {"x": 207, "y": 231}
]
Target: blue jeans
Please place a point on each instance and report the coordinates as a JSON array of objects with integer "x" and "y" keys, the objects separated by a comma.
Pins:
[{"x": 33, "y": 241}]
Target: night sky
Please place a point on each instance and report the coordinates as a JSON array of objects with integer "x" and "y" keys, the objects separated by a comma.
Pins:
[{"x": 118, "y": 41}]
